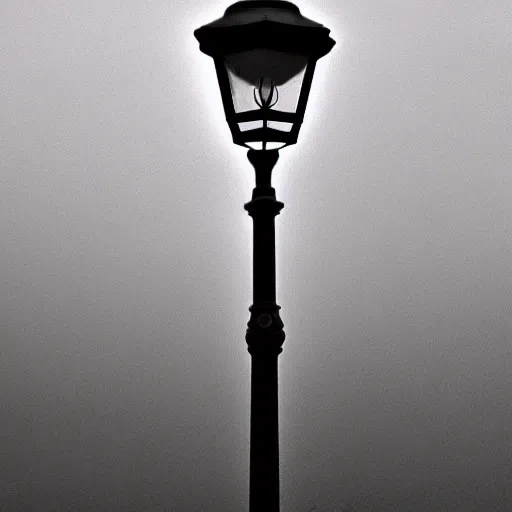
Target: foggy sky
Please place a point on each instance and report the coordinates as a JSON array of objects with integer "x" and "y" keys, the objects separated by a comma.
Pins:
[{"x": 125, "y": 263}]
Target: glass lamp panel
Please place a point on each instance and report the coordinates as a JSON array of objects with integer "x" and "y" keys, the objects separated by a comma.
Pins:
[
  {"x": 241, "y": 92},
  {"x": 279, "y": 125},
  {"x": 250, "y": 125},
  {"x": 269, "y": 145},
  {"x": 265, "y": 77},
  {"x": 275, "y": 145},
  {"x": 289, "y": 93}
]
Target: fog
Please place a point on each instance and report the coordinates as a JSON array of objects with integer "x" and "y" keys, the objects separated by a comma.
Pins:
[{"x": 125, "y": 263}]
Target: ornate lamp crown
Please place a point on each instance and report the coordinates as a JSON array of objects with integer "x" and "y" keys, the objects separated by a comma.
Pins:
[{"x": 265, "y": 54}]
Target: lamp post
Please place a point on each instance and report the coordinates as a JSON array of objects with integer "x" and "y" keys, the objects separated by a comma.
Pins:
[{"x": 265, "y": 54}]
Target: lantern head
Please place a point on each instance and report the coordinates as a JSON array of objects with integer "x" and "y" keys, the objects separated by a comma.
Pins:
[{"x": 265, "y": 54}]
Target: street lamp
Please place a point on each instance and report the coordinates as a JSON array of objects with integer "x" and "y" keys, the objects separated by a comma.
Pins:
[{"x": 265, "y": 54}]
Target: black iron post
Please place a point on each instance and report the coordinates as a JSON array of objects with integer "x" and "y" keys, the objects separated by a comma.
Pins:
[{"x": 264, "y": 337}]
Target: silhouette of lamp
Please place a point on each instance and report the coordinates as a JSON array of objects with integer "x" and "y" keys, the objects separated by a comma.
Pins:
[{"x": 265, "y": 53}]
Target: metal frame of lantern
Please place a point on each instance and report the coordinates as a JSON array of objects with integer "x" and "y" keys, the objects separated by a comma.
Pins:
[
  {"x": 233, "y": 118},
  {"x": 275, "y": 25}
]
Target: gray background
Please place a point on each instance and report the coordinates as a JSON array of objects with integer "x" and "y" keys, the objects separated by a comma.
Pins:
[{"x": 125, "y": 263}]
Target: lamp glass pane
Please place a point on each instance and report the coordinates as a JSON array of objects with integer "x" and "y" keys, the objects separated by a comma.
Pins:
[
  {"x": 275, "y": 145},
  {"x": 269, "y": 145},
  {"x": 279, "y": 125},
  {"x": 250, "y": 125},
  {"x": 265, "y": 77}
]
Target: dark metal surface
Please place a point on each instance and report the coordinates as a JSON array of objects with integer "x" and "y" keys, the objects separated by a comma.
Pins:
[
  {"x": 256, "y": 24},
  {"x": 264, "y": 336}
]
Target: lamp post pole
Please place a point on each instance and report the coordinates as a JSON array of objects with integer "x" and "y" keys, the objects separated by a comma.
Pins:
[
  {"x": 264, "y": 337},
  {"x": 265, "y": 53}
]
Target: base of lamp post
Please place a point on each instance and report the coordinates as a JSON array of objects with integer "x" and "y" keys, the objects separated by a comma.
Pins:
[{"x": 264, "y": 452}]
